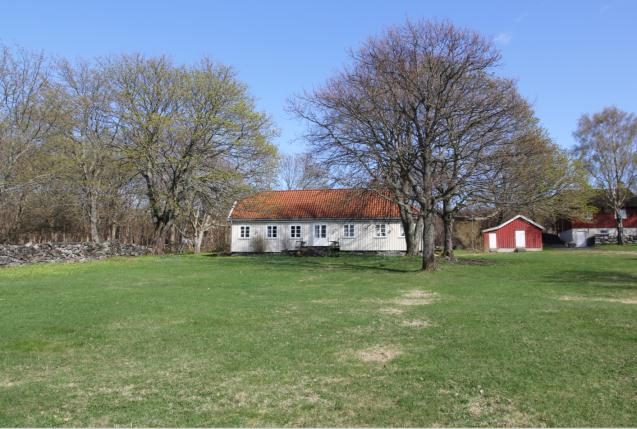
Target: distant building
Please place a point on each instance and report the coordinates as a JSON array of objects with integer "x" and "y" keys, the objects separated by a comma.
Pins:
[
  {"x": 582, "y": 232},
  {"x": 518, "y": 232},
  {"x": 351, "y": 219}
]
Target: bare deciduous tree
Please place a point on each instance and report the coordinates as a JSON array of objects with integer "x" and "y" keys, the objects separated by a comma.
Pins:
[
  {"x": 300, "y": 171},
  {"x": 608, "y": 149},
  {"x": 410, "y": 96},
  {"x": 89, "y": 131},
  {"x": 28, "y": 108}
]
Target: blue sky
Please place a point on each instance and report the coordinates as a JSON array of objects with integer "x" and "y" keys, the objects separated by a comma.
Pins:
[{"x": 569, "y": 57}]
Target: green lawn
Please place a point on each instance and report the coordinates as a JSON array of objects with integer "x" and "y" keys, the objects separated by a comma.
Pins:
[{"x": 541, "y": 339}]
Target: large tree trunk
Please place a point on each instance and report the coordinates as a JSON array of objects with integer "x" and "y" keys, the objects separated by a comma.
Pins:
[
  {"x": 198, "y": 240},
  {"x": 447, "y": 221},
  {"x": 620, "y": 228},
  {"x": 113, "y": 232},
  {"x": 412, "y": 228},
  {"x": 162, "y": 228},
  {"x": 418, "y": 235},
  {"x": 428, "y": 212},
  {"x": 428, "y": 241},
  {"x": 93, "y": 217}
]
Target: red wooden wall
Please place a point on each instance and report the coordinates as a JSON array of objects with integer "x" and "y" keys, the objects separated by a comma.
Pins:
[
  {"x": 506, "y": 235},
  {"x": 607, "y": 220}
]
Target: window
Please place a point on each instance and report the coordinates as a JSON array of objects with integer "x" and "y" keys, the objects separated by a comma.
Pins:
[
  {"x": 244, "y": 232},
  {"x": 402, "y": 230},
  {"x": 348, "y": 230},
  {"x": 588, "y": 216},
  {"x": 272, "y": 231},
  {"x": 380, "y": 230},
  {"x": 623, "y": 214},
  {"x": 295, "y": 231},
  {"x": 320, "y": 231}
]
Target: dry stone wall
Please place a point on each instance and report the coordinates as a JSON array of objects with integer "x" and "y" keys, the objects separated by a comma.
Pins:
[{"x": 12, "y": 254}]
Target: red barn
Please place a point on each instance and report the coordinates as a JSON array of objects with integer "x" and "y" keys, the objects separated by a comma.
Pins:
[
  {"x": 602, "y": 224},
  {"x": 518, "y": 232}
]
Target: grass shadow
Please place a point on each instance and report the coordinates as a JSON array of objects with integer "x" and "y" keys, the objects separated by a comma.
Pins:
[
  {"x": 596, "y": 278},
  {"x": 341, "y": 263},
  {"x": 346, "y": 262},
  {"x": 358, "y": 267}
]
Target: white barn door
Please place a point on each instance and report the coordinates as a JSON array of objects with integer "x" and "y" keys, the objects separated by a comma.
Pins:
[
  {"x": 520, "y": 239},
  {"x": 493, "y": 242}
]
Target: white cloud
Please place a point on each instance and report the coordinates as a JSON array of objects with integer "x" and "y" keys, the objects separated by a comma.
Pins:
[{"x": 503, "y": 38}]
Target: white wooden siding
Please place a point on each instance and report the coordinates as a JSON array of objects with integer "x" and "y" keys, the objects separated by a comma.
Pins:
[
  {"x": 364, "y": 239},
  {"x": 581, "y": 235}
]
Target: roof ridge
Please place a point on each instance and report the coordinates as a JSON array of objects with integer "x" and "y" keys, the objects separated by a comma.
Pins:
[{"x": 317, "y": 189}]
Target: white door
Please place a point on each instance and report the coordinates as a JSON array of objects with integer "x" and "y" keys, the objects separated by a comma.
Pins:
[
  {"x": 580, "y": 238},
  {"x": 319, "y": 235},
  {"x": 520, "y": 239},
  {"x": 493, "y": 243}
]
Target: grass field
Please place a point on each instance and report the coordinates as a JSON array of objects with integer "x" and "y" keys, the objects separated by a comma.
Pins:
[{"x": 541, "y": 339}]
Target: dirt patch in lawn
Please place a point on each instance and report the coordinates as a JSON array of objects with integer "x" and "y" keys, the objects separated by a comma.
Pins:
[
  {"x": 378, "y": 354},
  {"x": 393, "y": 311},
  {"x": 416, "y": 297},
  {"x": 130, "y": 392},
  {"x": 496, "y": 411},
  {"x": 9, "y": 383},
  {"x": 416, "y": 323},
  {"x": 325, "y": 301},
  {"x": 100, "y": 422},
  {"x": 585, "y": 298}
]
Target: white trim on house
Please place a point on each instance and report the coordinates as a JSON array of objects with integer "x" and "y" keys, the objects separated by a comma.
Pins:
[
  {"x": 511, "y": 220},
  {"x": 295, "y": 231},
  {"x": 364, "y": 239},
  {"x": 349, "y": 231},
  {"x": 244, "y": 232},
  {"x": 231, "y": 210},
  {"x": 380, "y": 230},
  {"x": 272, "y": 232}
]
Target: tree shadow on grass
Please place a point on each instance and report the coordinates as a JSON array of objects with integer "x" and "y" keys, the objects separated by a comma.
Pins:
[
  {"x": 358, "y": 267},
  {"x": 347, "y": 262},
  {"x": 343, "y": 263},
  {"x": 597, "y": 278}
]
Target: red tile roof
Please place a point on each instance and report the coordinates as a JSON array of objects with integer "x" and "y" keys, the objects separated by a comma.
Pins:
[{"x": 315, "y": 204}]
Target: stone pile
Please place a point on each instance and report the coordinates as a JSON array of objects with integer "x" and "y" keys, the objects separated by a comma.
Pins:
[
  {"x": 612, "y": 239},
  {"x": 13, "y": 254}
]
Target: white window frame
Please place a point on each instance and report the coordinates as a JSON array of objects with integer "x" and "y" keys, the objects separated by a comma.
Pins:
[
  {"x": 244, "y": 232},
  {"x": 380, "y": 230},
  {"x": 272, "y": 232},
  {"x": 321, "y": 229},
  {"x": 349, "y": 230},
  {"x": 295, "y": 231},
  {"x": 623, "y": 214}
]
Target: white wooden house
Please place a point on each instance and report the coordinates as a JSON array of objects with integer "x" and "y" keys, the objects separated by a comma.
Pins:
[{"x": 353, "y": 219}]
